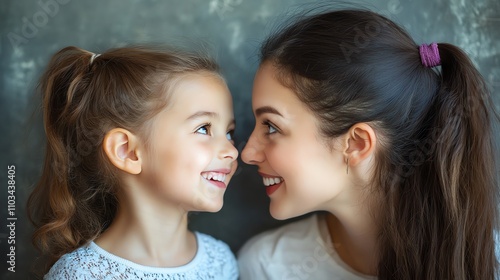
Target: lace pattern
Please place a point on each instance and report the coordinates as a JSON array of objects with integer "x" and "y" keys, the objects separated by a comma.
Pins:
[{"x": 213, "y": 260}]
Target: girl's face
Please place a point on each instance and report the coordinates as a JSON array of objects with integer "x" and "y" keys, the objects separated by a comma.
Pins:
[
  {"x": 192, "y": 154},
  {"x": 300, "y": 171}
]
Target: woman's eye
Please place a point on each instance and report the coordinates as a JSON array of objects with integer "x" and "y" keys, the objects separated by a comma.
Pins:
[
  {"x": 205, "y": 129},
  {"x": 270, "y": 128},
  {"x": 229, "y": 135}
]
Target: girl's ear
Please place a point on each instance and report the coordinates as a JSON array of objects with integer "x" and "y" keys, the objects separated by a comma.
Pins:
[
  {"x": 122, "y": 149},
  {"x": 360, "y": 142}
]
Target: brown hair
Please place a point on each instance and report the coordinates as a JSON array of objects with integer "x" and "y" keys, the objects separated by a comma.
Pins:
[
  {"x": 435, "y": 166},
  {"x": 74, "y": 200}
]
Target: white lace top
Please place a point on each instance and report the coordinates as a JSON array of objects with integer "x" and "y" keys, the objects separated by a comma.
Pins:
[{"x": 213, "y": 260}]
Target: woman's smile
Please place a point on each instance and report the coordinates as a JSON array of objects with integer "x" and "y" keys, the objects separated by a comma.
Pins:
[{"x": 271, "y": 182}]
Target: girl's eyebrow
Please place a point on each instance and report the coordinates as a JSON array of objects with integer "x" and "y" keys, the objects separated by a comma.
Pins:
[
  {"x": 267, "y": 109},
  {"x": 200, "y": 114}
]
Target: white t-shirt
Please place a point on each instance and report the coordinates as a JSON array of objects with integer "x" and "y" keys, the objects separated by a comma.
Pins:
[
  {"x": 213, "y": 260},
  {"x": 296, "y": 251}
]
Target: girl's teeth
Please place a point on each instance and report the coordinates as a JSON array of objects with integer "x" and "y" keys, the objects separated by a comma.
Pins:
[{"x": 214, "y": 176}]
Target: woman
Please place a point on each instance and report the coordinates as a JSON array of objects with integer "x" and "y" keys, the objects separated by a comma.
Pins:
[{"x": 353, "y": 119}]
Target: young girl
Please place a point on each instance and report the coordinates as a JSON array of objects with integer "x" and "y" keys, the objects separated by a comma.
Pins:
[
  {"x": 355, "y": 119},
  {"x": 136, "y": 138}
]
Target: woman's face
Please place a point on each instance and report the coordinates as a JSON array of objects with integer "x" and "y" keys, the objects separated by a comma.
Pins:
[{"x": 301, "y": 172}]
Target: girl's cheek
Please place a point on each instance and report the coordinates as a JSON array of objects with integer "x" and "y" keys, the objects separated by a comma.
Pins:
[{"x": 234, "y": 167}]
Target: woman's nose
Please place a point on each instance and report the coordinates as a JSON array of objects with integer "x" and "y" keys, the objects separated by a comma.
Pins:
[{"x": 253, "y": 152}]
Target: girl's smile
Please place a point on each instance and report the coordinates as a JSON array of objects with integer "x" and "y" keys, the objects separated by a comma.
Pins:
[{"x": 217, "y": 177}]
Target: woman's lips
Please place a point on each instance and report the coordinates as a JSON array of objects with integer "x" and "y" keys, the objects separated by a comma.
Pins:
[
  {"x": 271, "y": 189},
  {"x": 271, "y": 182}
]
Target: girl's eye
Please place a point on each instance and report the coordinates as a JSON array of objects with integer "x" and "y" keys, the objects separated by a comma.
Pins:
[
  {"x": 271, "y": 128},
  {"x": 205, "y": 129}
]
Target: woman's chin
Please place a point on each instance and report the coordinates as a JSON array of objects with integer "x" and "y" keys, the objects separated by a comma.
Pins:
[{"x": 279, "y": 213}]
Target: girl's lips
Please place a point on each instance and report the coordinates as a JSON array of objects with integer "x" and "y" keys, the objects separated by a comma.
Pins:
[
  {"x": 216, "y": 177},
  {"x": 220, "y": 170},
  {"x": 218, "y": 184}
]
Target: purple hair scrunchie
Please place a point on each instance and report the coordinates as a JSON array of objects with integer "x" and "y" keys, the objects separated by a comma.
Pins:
[{"x": 429, "y": 55}]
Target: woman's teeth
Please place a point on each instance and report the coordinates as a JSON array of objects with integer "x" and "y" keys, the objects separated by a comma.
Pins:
[
  {"x": 216, "y": 176},
  {"x": 271, "y": 181}
]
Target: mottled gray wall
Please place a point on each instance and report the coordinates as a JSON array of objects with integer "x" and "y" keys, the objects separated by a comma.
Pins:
[{"x": 234, "y": 29}]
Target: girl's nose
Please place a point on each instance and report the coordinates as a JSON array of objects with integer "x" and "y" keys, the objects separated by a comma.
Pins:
[{"x": 229, "y": 150}]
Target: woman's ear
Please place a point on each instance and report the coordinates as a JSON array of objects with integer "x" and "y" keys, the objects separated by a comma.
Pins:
[
  {"x": 122, "y": 149},
  {"x": 360, "y": 143}
]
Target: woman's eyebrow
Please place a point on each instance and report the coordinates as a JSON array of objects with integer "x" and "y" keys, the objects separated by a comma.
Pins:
[{"x": 267, "y": 109}]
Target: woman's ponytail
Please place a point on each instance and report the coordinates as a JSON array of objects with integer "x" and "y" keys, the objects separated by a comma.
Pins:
[{"x": 464, "y": 161}]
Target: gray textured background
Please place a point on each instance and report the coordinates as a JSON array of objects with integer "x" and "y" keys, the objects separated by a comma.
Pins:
[{"x": 234, "y": 29}]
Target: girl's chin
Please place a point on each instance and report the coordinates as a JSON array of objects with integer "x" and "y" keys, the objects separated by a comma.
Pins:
[{"x": 212, "y": 206}]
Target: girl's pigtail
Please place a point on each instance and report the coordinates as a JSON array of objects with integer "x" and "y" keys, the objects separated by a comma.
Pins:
[
  {"x": 52, "y": 205},
  {"x": 465, "y": 164}
]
